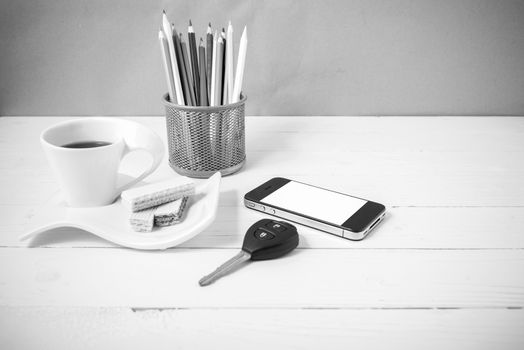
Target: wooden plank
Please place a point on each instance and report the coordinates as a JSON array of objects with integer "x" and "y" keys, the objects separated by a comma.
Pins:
[
  {"x": 407, "y": 173},
  {"x": 477, "y": 134},
  {"x": 401, "y": 179},
  {"x": 319, "y": 278},
  {"x": 103, "y": 328},
  {"x": 414, "y": 228},
  {"x": 407, "y": 179}
]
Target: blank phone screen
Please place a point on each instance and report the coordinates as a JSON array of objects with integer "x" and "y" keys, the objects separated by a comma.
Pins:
[{"x": 315, "y": 202}]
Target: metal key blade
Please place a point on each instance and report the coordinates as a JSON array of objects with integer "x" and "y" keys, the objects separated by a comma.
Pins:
[{"x": 225, "y": 268}]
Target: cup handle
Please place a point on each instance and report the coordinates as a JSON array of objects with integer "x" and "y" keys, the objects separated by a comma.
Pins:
[{"x": 147, "y": 141}]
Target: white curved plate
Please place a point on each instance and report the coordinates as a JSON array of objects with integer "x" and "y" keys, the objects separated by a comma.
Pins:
[{"x": 111, "y": 222}]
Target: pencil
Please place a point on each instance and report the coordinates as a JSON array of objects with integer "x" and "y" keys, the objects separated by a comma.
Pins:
[
  {"x": 203, "y": 80},
  {"x": 174, "y": 64},
  {"x": 187, "y": 66},
  {"x": 241, "y": 61},
  {"x": 167, "y": 65},
  {"x": 220, "y": 58},
  {"x": 229, "y": 63},
  {"x": 194, "y": 60},
  {"x": 209, "y": 57},
  {"x": 223, "y": 77},
  {"x": 182, "y": 68},
  {"x": 223, "y": 121},
  {"x": 212, "y": 100},
  {"x": 187, "y": 60}
]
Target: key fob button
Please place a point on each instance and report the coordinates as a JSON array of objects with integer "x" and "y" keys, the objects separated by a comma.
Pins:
[
  {"x": 275, "y": 226},
  {"x": 263, "y": 235}
]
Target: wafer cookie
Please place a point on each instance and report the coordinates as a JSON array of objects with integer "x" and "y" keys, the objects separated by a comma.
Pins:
[
  {"x": 170, "y": 213},
  {"x": 142, "y": 221},
  {"x": 147, "y": 196}
]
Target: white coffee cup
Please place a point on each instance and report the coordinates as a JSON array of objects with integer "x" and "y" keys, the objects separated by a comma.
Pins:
[{"x": 88, "y": 176}]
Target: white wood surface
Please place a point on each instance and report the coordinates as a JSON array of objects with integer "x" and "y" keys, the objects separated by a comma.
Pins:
[
  {"x": 125, "y": 328},
  {"x": 444, "y": 270}
]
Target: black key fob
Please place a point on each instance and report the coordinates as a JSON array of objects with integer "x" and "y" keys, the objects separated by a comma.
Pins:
[{"x": 270, "y": 239}]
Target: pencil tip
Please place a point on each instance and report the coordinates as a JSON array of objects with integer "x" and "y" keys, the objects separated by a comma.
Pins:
[
  {"x": 191, "y": 24},
  {"x": 164, "y": 12},
  {"x": 209, "y": 25}
]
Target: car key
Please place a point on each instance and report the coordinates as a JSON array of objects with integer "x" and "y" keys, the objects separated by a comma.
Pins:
[{"x": 265, "y": 239}]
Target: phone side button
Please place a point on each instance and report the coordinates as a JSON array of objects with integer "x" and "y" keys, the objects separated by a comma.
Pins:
[{"x": 251, "y": 205}]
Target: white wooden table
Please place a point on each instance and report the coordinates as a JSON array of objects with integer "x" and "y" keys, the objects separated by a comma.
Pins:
[{"x": 445, "y": 270}]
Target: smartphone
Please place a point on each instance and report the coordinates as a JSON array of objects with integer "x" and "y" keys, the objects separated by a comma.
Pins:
[{"x": 333, "y": 212}]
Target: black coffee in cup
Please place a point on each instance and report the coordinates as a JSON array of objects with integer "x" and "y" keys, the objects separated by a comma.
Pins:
[{"x": 86, "y": 144}]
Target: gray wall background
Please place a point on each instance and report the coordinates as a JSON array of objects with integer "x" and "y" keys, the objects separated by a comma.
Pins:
[{"x": 369, "y": 57}]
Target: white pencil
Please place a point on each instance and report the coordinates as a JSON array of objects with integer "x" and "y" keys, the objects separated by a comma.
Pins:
[
  {"x": 241, "y": 61},
  {"x": 223, "y": 78},
  {"x": 212, "y": 101},
  {"x": 174, "y": 64},
  {"x": 167, "y": 65},
  {"x": 229, "y": 63}
]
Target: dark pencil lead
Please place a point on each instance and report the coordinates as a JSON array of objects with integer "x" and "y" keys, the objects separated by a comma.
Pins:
[
  {"x": 164, "y": 12},
  {"x": 210, "y": 24},
  {"x": 191, "y": 24}
]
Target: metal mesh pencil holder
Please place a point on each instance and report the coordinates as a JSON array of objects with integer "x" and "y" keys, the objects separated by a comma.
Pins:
[{"x": 204, "y": 140}]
